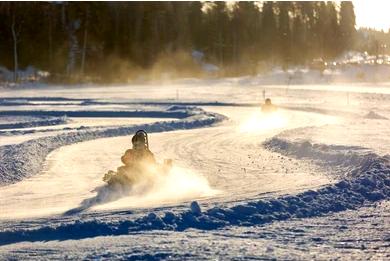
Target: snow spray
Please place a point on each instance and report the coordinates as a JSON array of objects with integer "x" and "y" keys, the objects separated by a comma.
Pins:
[{"x": 179, "y": 184}]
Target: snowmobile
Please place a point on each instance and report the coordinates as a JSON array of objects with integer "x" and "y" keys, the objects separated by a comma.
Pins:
[
  {"x": 139, "y": 166},
  {"x": 268, "y": 107}
]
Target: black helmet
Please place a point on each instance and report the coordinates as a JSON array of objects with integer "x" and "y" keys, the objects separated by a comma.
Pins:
[{"x": 140, "y": 140}]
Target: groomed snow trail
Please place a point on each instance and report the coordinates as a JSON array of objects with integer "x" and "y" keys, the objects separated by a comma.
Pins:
[
  {"x": 221, "y": 164},
  {"x": 347, "y": 219},
  {"x": 73, "y": 174},
  {"x": 232, "y": 158}
]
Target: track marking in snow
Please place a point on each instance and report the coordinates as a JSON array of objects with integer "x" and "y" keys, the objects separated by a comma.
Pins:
[{"x": 225, "y": 162}]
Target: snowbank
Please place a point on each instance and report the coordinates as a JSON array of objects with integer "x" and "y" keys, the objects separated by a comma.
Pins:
[
  {"x": 367, "y": 180},
  {"x": 179, "y": 114},
  {"x": 375, "y": 116},
  {"x": 28, "y": 122},
  {"x": 26, "y": 159}
]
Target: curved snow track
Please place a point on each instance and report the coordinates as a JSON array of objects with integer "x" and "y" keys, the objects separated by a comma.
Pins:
[
  {"x": 224, "y": 163},
  {"x": 237, "y": 169}
]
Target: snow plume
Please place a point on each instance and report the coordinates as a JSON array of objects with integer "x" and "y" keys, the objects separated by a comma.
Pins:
[
  {"x": 171, "y": 65},
  {"x": 176, "y": 185},
  {"x": 168, "y": 65},
  {"x": 179, "y": 184},
  {"x": 258, "y": 122},
  {"x": 152, "y": 187}
]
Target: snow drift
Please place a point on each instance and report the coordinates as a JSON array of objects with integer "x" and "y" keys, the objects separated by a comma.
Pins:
[{"x": 366, "y": 179}]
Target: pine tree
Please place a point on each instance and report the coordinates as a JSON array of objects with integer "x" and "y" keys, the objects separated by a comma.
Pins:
[
  {"x": 269, "y": 30},
  {"x": 196, "y": 28},
  {"x": 347, "y": 24},
  {"x": 298, "y": 40},
  {"x": 109, "y": 40},
  {"x": 284, "y": 33},
  {"x": 332, "y": 32}
]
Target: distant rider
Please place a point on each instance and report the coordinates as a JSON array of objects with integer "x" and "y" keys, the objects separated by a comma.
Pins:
[{"x": 268, "y": 106}]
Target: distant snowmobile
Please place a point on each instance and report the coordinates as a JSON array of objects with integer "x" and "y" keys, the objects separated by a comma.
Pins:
[
  {"x": 139, "y": 164},
  {"x": 268, "y": 107}
]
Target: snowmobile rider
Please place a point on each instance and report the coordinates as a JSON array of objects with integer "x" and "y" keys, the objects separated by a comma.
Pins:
[
  {"x": 139, "y": 164},
  {"x": 268, "y": 106},
  {"x": 140, "y": 151}
]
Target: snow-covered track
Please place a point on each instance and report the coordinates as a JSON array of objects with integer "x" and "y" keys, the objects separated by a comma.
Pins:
[
  {"x": 26, "y": 159},
  {"x": 363, "y": 179},
  {"x": 53, "y": 101},
  {"x": 367, "y": 180}
]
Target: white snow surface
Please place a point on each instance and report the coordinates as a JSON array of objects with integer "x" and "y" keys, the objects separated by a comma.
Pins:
[{"x": 244, "y": 184}]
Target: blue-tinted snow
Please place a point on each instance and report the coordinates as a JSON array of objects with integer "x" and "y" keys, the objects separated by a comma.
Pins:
[
  {"x": 367, "y": 179},
  {"x": 26, "y": 159}
]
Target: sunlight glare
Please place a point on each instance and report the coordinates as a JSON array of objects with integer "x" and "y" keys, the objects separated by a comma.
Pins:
[{"x": 259, "y": 121}]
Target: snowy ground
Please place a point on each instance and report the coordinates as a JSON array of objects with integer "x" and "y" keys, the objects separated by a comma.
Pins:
[{"x": 309, "y": 181}]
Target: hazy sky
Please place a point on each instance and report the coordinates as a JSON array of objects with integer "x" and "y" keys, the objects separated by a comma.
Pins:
[{"x": 373, "y": 13}]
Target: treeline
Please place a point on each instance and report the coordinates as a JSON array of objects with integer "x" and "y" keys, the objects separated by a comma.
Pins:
[
  {"x": 373, "y": 41},
  {"x": 118, "y": 40}
]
